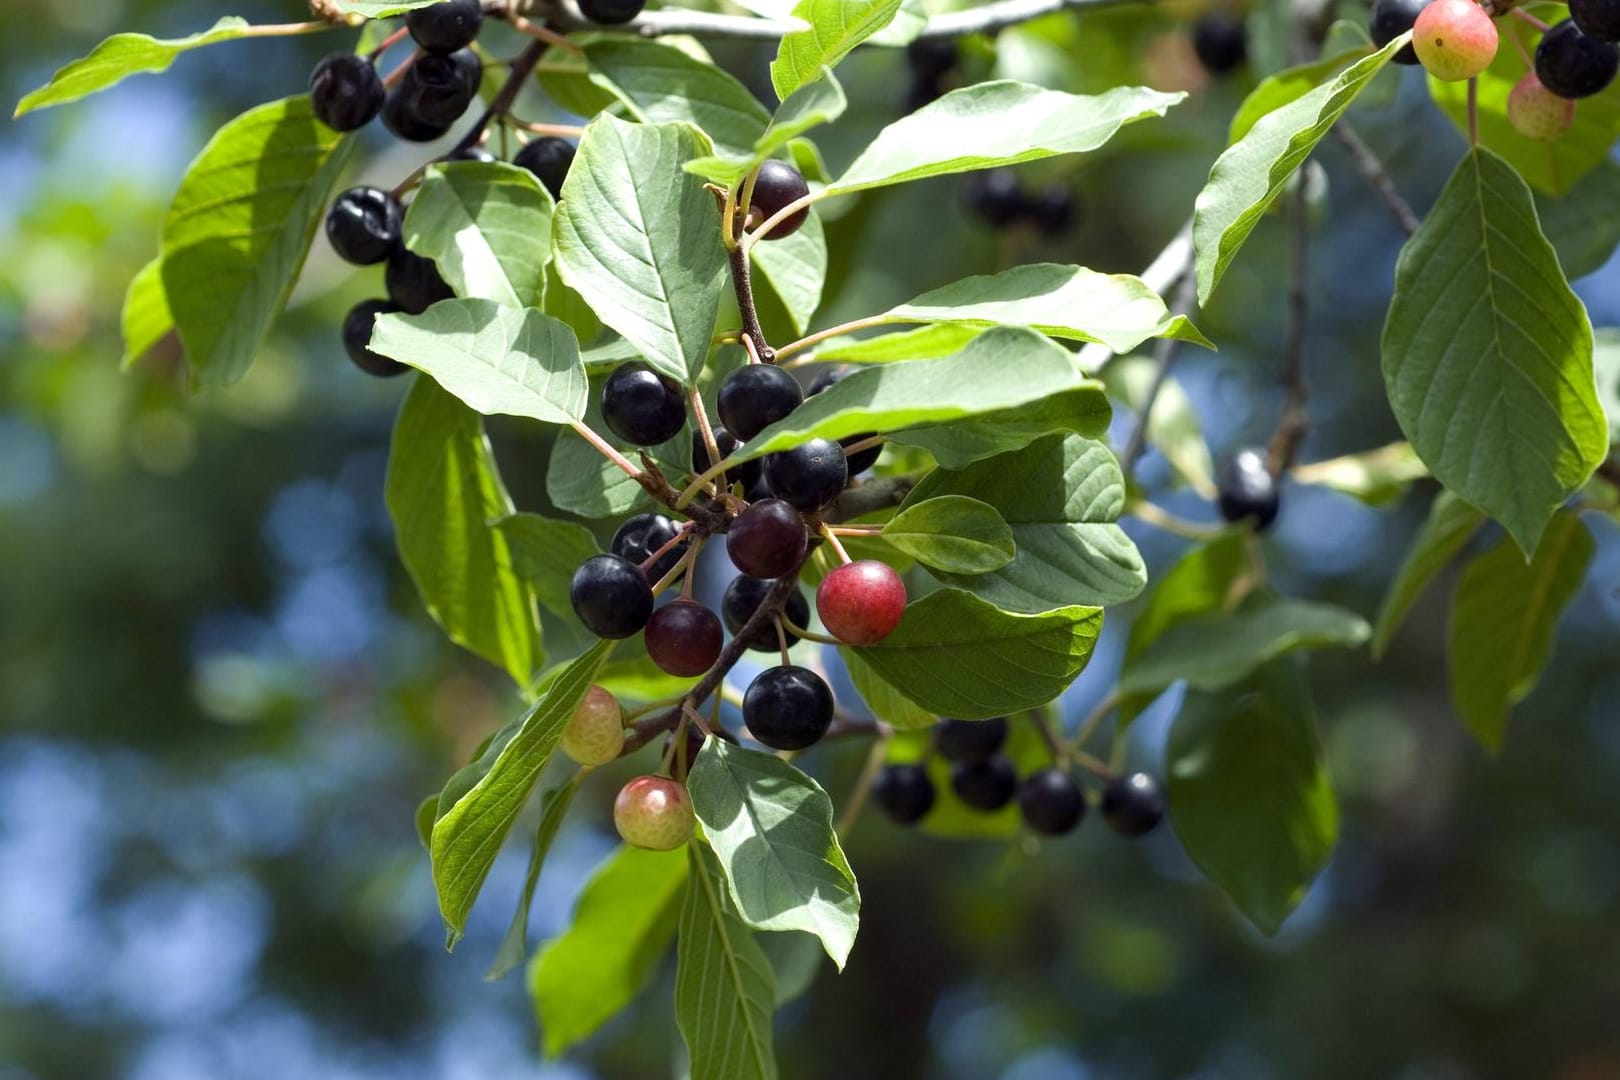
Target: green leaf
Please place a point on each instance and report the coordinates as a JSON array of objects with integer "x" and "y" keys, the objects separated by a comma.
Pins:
[
  {"x": 1173, "y": 426},
  {"x": 119, "y": 57},
  {"x": 833, "y": 28},
  {"x": 724, "y": 987},
  {"x": 664, "y": 84},
  {"x": 958, "y": 655},
  {"x": 378, "y": 9},
  {"x": 514, "y": 947},
  {"x": 1451, "y": 524},
  {"x": 1253, "y": 171},
  {"x": 1583, "y": 224},
  {"x": 1212, "y": 652},
  {"x": 795, "y": 266},
  {"x": 771, "y": 827},
  {"x": 996, "y": 123},
  {"x": 1606, "y": 359},
  {"x": 239, "y": 228},
  {"x": 886, "y": 703},
  {"x": 810, "y": 106},
  {"x": 468, "y": 835},
  {"x": 796, "y": 960},
  {"x": 485, "y": 226},
  {"x": 1288, "y": 86},
  {"x": 923, "y": 343},
  {"x": 1061, "y": 496},
  {"x": 639, "y": 240},
  {"x": 1502, "y": 623},
  {"x": 1487, "y": 354},
  {"x": 1199, "y": 583},
  {"x": 1249, "y": 794},
  {"x": 623, "y": 922},
  {"x": 442, "y": 491},
  {"x": 956, "y": 445},
  {"x": 497, "y": 360},
  {"x": 146, "y": 319},
  {"x": 545, "y": 553},
  {"x": 1376, "y": 477},
  {"x": 1001, "y": 369},
  {"x": 581, "y": 481},
  {"x": 953, "y": 533}
]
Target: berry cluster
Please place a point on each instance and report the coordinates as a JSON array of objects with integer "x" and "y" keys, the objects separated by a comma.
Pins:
[
  {"x": 1000, "y": 200},
  {"x": 1220, "y": 43},
  {"x": 1050, "y": 800}
]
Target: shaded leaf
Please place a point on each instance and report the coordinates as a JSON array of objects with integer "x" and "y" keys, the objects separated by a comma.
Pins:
[
  {"x": 119, "y": 57},
  {"x": 146, "y": 319},
  {"x": 725, "y": 989},
  {"x": 1173, "y": 427},
  {"x": 545, "y": 553},
  {"x": 514, "y": 947},
  {"x": 1450, "y": 525}
]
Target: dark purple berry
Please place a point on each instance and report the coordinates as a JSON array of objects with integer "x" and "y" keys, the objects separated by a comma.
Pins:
[
  {"x": 549, "y": 158},
  {"x": 742, "y": 599},
  {"x": 436, "y": 90},
  {"x": 641, "y": 406},
  {"x": 767, "y": 540},
  {"x": 447, "y": 26},
  {"x": 809, "y": 476},
  {"x": 1051, "y": 802},
  {"x": 611, "y": 12},
  {"x": 684, "y": 638},
  {"x": 611, "y": 596},
  {"x": 859, "y": 462},
  {"x": 1392, "y": 18},
  {"x": 1248, "y": 491},
  {"x": 401, "y": 120},
  {"x": 1219, "y": 42},
  {"x": 640, "y": 536},
  {"x": 970, "y": 740},
  {"x": 357, "y": 327},
  {"x": 725, "y": 442},
  {"x": 997, "y": 197},
  {"x": 755, "y": 396},
  {"x": 904, "y": 792},
  {"x": 414, "y": 282},
  {"x": 1574, "y": 65},
  {"x": 788, "y": 707},
  {"x": 776, "y": 186},
  {"x": 1133, "y": 805},
  {"x": 1597, "y": 18},
  {"x": 345, "y": 91},
  {"x": 984, "y": 785},
  {"x": 365, "y": 225}
]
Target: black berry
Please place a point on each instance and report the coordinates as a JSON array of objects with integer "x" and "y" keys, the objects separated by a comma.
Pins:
[
  {"x": 436, "y": 91},
  {"x": 1392, "y": 18},
  {"x": 401, "y": 120},
  {"x": 1248, "y": 491},
  {"x": 984, "y": 785},
  {"x": 611, "y": 12},
  {"x": 644, "y": 534},
  {"x": 970, "y": 740},
  {"x": 742, "y": 599},
  {"x": 447, "y": 26},
  {"x": 725, "y": 442},
  {"x": 767, "y": 540},
  {"x": 809, "y": 476},
  {"x": 1133, "y": 804},
  {"x": 1219, "y": 42},
  {"x": 904, "y": 792},
  {"x": 357, "y": 326},
  {"x": 931, "y": 58},
  {"x": 857, "y": 463},
  {"x": 788, "y": 707},
  {"x": 775, "y": 186},
  {"x": 365, "y": 225},
  {"x": 611, "y": 596},
  {"x": 684, "y": 638},
  {"x": 755, "y": 396},
  {"x": 472, "y": 153},
  {"x": 548, "y": 157},
  {"x": 996, "y": 197},
  {"x": 346, "y": 92},
  {"x": 643, "y": 407},
  {"x": 414, "y": 282},
  {"x": 1052, "y": 211},
  {"x": 1052, "y": 803},
  {"x": 1597, "y": 18},
  {"x": 1574, "y": 65}
]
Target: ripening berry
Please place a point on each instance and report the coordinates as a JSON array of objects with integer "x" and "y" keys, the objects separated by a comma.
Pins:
[
  {"x": 653, "y": 812},
  {"x": 595, "y": 735},
  {"x": 861, "y": 602},
  {"x": 1536, "y": 112},
  {"x": 1454, "y": 39}
]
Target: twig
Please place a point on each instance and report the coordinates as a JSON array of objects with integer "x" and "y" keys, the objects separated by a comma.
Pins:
[
  {"x": 1372, "y": 170},
  {"x": 742, "y": 283},
  {"x": 863, "y": 786},
  {"x": 869, "y": 497},
  {"x": 1294, "y": 422},
  {"x": 1473, "y": 113},
  {"x": 1161, "y": 518},
  {"x": 522, "y": 68},
  {"x": 1093, "y": 720},
  {"x": 831, "y": 332},
  {"x": 607, "y": 450},
  {"x": 1164, "y": 358}
]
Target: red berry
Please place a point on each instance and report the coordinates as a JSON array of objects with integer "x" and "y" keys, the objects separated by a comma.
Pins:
[
  {"x": 684, "y": 638},
  {"x": 653, "y": 812},
  {"x": 1454, "y": 39},
  {"x": 1536, "y": 112},
  {"x": 595, "y": 735},
  {"x": 861, "y": 603}
]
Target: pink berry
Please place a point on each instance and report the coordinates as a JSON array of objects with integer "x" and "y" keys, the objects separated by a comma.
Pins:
[
  {"x": 595, "y": 735},
  {"x": 653, "y": 812},
  {"x": 1454, "y": 39},
  {"x": 862, "y": 602},
  {"x": 1536, "y": 112}
]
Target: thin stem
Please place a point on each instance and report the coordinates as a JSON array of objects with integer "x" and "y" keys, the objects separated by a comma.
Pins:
[
  {"x": 522, "y": 68},
  {"x": 1043, "y": 726},
  {"x": 782, "y": 641},
  {"x": 1169, "y": 266},
  {"x": 689, "y": 561},
  {"x": 855, "y": 530},
  {"x": 695, "y": 488},
  {"x": 1294, "y": 423},
  {"x": 742, "y": 284},
  {"x": 562, "y": 131},
  {"x": 869, "y": 497},
  {"x": 1473, "y": 113},
  {"x": 1164, "y": 358},
  {"x": 1094, "y": 765},
  {"x": 867, "y": 443},
  {"x": 1524, "y": 16},
  {"x": 652, "y": 706},
  {"x": 389, "y": 42},
  {"x": 606, "y": 450},
  {"x": 834, "y": 331},
  {"x": 393, "y": 77},
  {"x": 1088, "y": 727},
  {"x": 837, "y": 545},
  {"x": 1160, "y": 518},
  {"x": 767, "y": 226},
  {"x": 541, "y": 32},
  {"x": 290, "y": 29},
  {"x": 707, "y": 430},
  {"x": 674, "y": 542},
  {"x": 808, "y": 635},
  {"x": 1372, "y": 170},
  {"x": 851, "y": 813}
]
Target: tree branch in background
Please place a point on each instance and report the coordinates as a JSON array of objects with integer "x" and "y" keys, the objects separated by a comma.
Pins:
[
  {"x": 1164, "y": 358},
  {"x": 1372, "y": 170},
  {"x": 1294, "y": 422}
]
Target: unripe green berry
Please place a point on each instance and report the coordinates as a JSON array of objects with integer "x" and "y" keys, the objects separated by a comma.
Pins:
[
  {"x": 1536, "y": 112},
  {"x": 595, "y": 735},
  {"x": 654, "y": 812},
  {"x": 1454, "y": 39}
]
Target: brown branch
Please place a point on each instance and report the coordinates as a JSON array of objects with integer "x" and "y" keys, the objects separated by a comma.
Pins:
[
  {"x": 1372, "y": 170},
  {"x": 522, "y": 68},
  {"x": 869, "y": 497},
  {"x": 743, "y": 284}
]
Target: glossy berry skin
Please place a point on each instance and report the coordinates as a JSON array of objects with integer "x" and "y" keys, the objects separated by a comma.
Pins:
[
  {"x": 725, "y": 442},
  {"x": 865, "y": 459},
  {"x": 1536, "y": 112},
  {"x": 414, "y": 282},
  {"x": 788, "y": 707},
  {"x": 1248, "y": 491},
  {"x": 1133, "y": 805},
  {"x": 595, "y": 734},
  {"x": 809, "y": 476},
  {"x": 1392, "y": 18},
  {"x": 861, "y": 602},
  {"x": 365, "y": 225},
  {"x": 436, "y": 90},
  {"x": 754, "y": 397},
  {"x": 400, "y": 118},
  {"x": 643, "y": 534},
  {"x": 1573, "y": 65},
  {"x": 1051, "y": 802},
  {"x": 684, "y": 638},
  {"x": 775, "y": 186},
  {"x": 357, "y": 327},
  {"x": 611, "y": 12},
  {"x": 986, "y": 785},
  {"x": 611, "y": 596},
  {"x": 641, "y": 406},
  {"x": 1220, "y": 43},
  {"x": 655, "y": 813},
  {"x": 970, "y": 740},
  {"x": 904, "y": 793},
  {"x": 472, "y": 153},
  {"x": 1455, "y": 40},
  {"x": 767, "y": 540},
  {"x": 447, "y": 26},
  {"x": 549, "y": 158},
  {"x": 743, "y": 597},
  {"x": 1597, "y": 18},
  {"x": 345, "y": 92},
  {"x": 997, "y": 197}
]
